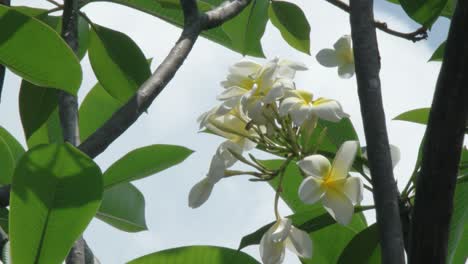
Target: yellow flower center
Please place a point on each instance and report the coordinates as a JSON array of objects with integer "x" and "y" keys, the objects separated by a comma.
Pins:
[
  {"x": 305, "y": 95},
  {"x": 320, "y": 101}
]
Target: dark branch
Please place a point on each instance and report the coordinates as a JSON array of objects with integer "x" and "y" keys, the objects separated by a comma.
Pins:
[
  {"x": 131, "y": 111},
  {"x": 435, "y": 184},
  {"x": 367, "y": 62},
  {"x": 414, "y": 36}
]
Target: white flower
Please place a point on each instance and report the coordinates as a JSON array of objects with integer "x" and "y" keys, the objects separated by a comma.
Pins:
[
  {"x": 342, "y": 56},
  {"x": 331, "y": 184},
  {"x": 281, "y": 235},
  {"x": 222, "y": 160},
  {"x": 301, "y": 106}
]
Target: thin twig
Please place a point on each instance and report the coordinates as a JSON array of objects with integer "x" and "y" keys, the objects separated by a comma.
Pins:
[{"x": 417, "y": 35}]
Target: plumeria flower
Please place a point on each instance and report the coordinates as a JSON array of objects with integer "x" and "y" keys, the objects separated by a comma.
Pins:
[
  {"x": 341, "y": 56},
  {"x": 330, "y": 184},
  {"x": 301, "y": 106},
  {"x": 222, "y": 160},
  {"x": 284, "y": 235}
]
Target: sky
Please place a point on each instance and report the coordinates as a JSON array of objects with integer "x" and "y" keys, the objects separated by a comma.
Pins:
[{"x": 236, "y": 206}]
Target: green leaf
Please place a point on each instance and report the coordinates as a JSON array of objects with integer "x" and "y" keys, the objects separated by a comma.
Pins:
[
  {"x": 36, "y": 104},
  {"x": 438, "y": 53},
  {"x": 461, "y": 253},
  {"x": 449, "y": 8},
  {"x": 425, "y": 12},
  {"x": 123, "y": 207},
  {"x": 119, "y": 64},
  {"x": 25, "y": 48},
  {"x": 10, "y": 152},
  {"x": 419, "y": 116},
  {"x": 175, "y": 17},
  {"x": 247, "y": 29},
  {"x": 49, "y": 132},
  {"x": 196, "y": 255},
  {"x": 97, "y": 107},
  {"x": 459, "y": 220},
  {"x": 361, "y": 247},
  {"x": 143, "y": 162},
  {"x": 292, "y": 23},
  {"x": 56, "y": 191},
  {"x": 310, "y": 220}
]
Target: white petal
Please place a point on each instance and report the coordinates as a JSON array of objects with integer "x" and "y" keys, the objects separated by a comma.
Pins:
[
  {"x": 199, "y": 193},
  {"x": 224, "y": 152},
  {"x": 310, "y": 190},
  {"x": 217, "y": 168},
  {"x": 234, "y": 91},
  {"x": 287, "y": 104},
  {"x": 327, "y": 58},
  {"x": 344, "y": 159},
  {"x": 346, "y": 71},
  {"x": 300, "y": 243},
  {"x": 395, "y": 153},
  {"x": 298, "y": 66},
  {"x": 353, "y": 188},
  {"x": 281, "y": 230},
  {"x": 271, "y": 252},
  {"x": 338, "y": 206},
  {"x": 329, "y": 110},
  {"x": 299, "y": 113},
  {"x": 276, "y": 92},
  {"x": 315, "y": 165},
  {"x": 245, "y": 68},
  {"x": 343, "y": 44}
]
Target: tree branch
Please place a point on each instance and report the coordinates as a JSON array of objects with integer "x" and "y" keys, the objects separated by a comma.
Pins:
[
  {"x": 436, "y": 182},
  {"x": 367, "y": 62},
  {"x": 123, "y": 118},
  {"x": 417, "y": 35}
]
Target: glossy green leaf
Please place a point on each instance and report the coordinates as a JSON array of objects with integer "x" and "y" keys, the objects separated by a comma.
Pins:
[
  {"x": 419, "y": 116},
  {"x": 119, "y": 64},
  {"x": 123, "y": 207},
  {"x": 10, "y": 152},
  {"x": 310, "y": 220},
  {"x": 196, "y": 255},
  {"x": 96, "y": 108},
  {"x": 246, "y": 29},
  {"x": 25, "y": 48},
  {"x": 461, "y": 252},
  {"x": 459, "y": 220},
  {"x": 49, "y": 132},
  {"x": 174, "y": 16},
  {"x": 49, "y": 207},
  {"x": 143, "y": 162},
  {"x": 438, "y": 53},
  {"x": 36, "y": 104},
  {"x": 292, "y": 23},
  {"x": 361, "y": 247},
  {"x": 425, "y": 12}
]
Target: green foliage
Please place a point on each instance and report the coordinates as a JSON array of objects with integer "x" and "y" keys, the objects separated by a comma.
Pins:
[
  {"x": 59, "y": 69},
  {"x": 457, "y": 237},
  {"x": 96, "y": 108},
  {"x": 123, "y": 207},
  {"x": 361, "y": 247},
  {"x": 56, "y": 190},
  {"x": 292, "y": 23},
  {"x": 36, "y": 105},
  {"x": 4, "y": 215},
  {"x": 119, "y": 64},
  {"x": 419, "y": 116},
  {"x": 196, "y": 255},
  {"x": 49, "y": 132},
  {"x": 10, "y": 152},
  {"x": 425, "y": 12},
  {"x": 438, "y": 53},
  {"x": 247, "y": 29},
  {"x": 143, "y": 162}
]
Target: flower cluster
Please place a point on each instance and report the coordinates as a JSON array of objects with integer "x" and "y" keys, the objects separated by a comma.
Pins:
[{"x": 260, "y": 107}]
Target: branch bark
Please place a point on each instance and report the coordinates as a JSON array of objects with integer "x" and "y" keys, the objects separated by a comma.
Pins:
[
  {"x": 367, "y": 63},
  {"x": 436, "y": 182},
  {"x": 131, "y": 111},
  {"x": 417, "y": 35}
]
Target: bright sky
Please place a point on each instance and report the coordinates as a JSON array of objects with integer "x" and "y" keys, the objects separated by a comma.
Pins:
[{"x": 236, "y": 206}]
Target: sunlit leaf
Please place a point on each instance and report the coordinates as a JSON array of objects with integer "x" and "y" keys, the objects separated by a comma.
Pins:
[
  {"x": 438, "y": 53},
  {"x": 419, "y": 116},
  {"x": 56, "y": 191}
]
